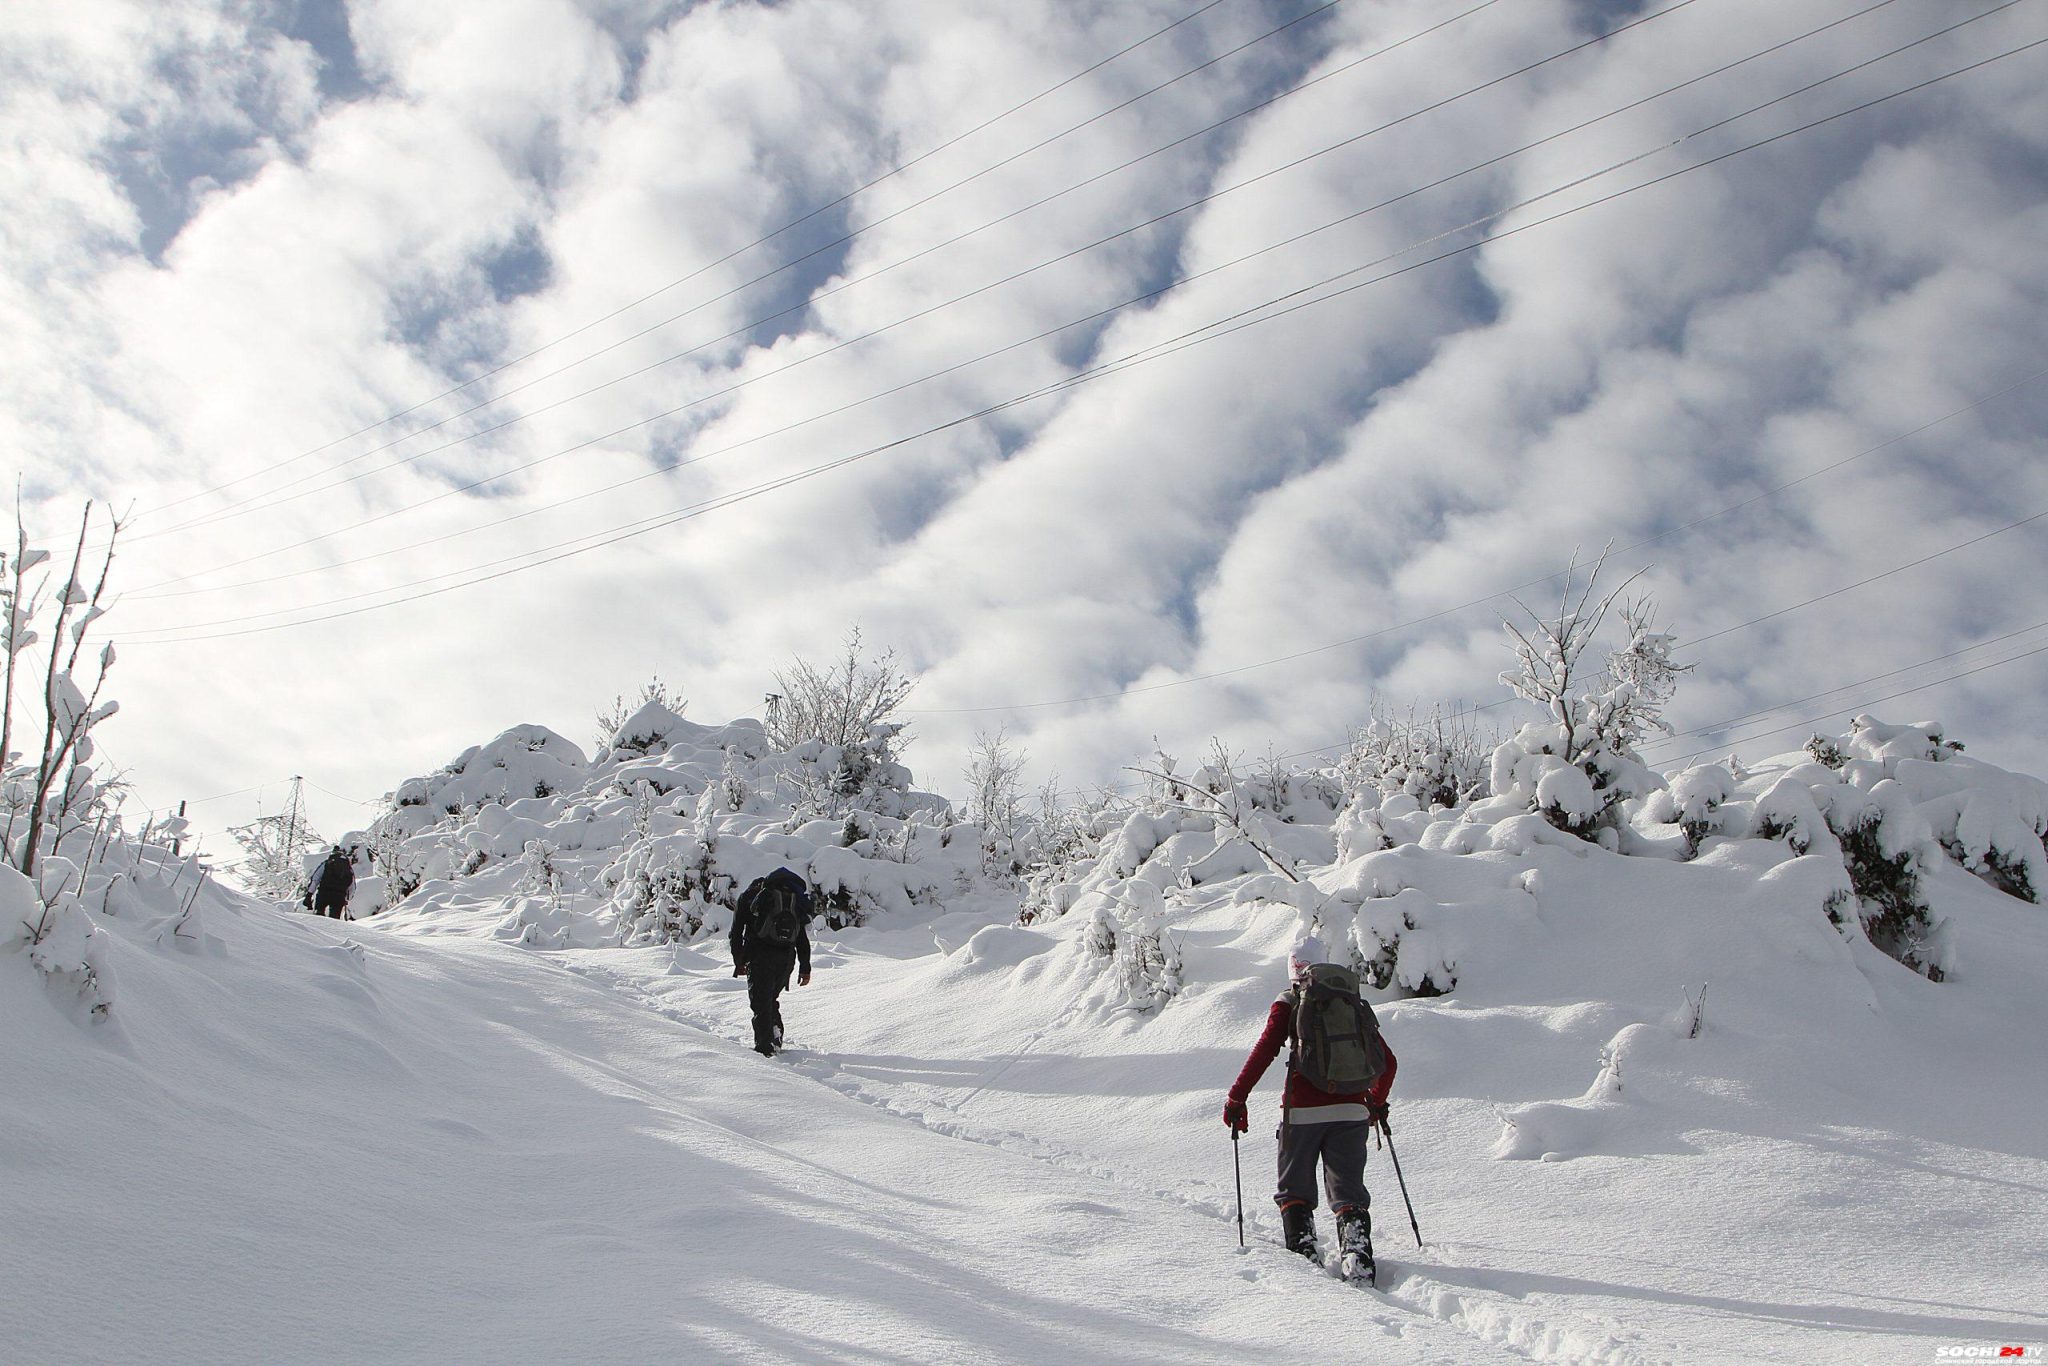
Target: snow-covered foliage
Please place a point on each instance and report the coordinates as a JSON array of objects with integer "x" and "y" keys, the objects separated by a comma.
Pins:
[
  {"x": 995, "y": 805},
  {"x": 616, "y": 723},
  {"x": 1579, "y": 766},
  {"x": 59, "y": 787},
  {"x": 1437, "y": 757},
  {"x": 653, "y": 840},
  {"x": 848, "y": 711},
  {"x": 1884, "y": 802}
]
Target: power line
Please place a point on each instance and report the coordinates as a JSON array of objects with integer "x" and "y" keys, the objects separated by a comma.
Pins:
[
  {"x": 1148, "y": 296},
  {"x": 1868, "y": 703},
  {"x": 1761, "y": 712},
  {"x": 248, "y": 506},
  {"x": 893, "y": 171},
  {"x": 808, "y": 304},
  {"x": 1860, "y": 583},
  {"x": 1198, "y": 336}
]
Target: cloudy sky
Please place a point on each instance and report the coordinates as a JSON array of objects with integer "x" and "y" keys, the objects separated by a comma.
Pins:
[{"x": 464, "y": 364}]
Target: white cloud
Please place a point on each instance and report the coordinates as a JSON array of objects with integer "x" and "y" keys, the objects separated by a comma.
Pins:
[{"x": 511, "y": 171}]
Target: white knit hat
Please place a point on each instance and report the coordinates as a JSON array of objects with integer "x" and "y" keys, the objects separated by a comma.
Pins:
[{"x": 1308, "y": 951}]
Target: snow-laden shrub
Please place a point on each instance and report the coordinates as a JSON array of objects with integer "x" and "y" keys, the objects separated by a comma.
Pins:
[
  {"x": 1990, "y": 821},
  {"x": 1440, "y": 760},
  {"x": 1986, "y": 835},
  {"x": 662, "y": 888},
  {"x": 1885, "y": 847},
  {"x": 1128, "y": 928},
  {"x": 1825, "y": 752},
  {"x": 1693, "y": 803},
  {"x": 1787, "y": 811},
  {"x": 638, "y": 724},
  {"x": 1391, "y": 949},
  {"x": 1360, "y": 830},
  {"x": 53, "y": 927}
]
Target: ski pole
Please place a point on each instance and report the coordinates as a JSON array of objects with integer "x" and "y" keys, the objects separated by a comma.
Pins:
[
  {"x": 1389, "y": 1135},
  {"x": 1237, "y": 1169}
]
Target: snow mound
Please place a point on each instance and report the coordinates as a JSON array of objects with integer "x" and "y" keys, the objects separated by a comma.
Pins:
[{"x": 653, "y": 840}]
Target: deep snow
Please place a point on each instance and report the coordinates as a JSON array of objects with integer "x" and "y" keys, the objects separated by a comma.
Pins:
[{"x": 495, "y": 1124}]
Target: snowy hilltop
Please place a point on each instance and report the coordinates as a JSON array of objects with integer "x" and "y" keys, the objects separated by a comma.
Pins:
[{"x": 651, "y": 840}]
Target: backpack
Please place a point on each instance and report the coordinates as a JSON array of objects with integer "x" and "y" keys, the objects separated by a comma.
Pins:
[
  {"x": 1336, "y": 1038},
  {"x": 778, "y": 918}
]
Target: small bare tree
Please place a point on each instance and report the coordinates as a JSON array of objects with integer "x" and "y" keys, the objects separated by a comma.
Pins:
[
  {"x": 1597, "y": 717},
  {"x": 995, "y": 771},
  {"x": 840, "y": 704},
  {"x": 69, "y": 712}
]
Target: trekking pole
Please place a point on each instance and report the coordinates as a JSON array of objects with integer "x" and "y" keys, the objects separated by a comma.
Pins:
[
  {"x": 1389, "y": 1135},
  {"x": 1237, "y": 1169}
]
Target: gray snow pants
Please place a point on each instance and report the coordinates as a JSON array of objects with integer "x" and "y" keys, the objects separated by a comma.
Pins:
[{"x": 1341, "y": 1146}]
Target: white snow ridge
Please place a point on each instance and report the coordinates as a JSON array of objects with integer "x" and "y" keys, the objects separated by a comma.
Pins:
[{"x": 1761, "y": 1081}]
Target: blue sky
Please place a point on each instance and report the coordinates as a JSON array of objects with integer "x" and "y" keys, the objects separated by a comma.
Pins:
[{"x": 238, "y": 234}]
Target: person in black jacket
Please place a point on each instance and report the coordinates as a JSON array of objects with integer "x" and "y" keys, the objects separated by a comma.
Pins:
[
  {"x": 769, "y": 939},
  {"x": 327, "y": 894}
]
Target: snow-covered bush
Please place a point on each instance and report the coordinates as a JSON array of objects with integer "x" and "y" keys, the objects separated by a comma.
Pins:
[
  {"x": 1990, "y": 821},
  {"x": 619, "y": 726},
  {"x": 654, "y": 840},
  {"x": 1127, "y": 928},
  {"x": 52, "y": 925},
  {"x": 847, "y": 710},
  {"x": 1885, "y": 846},
  {"x": 1693, "y": 803},
  {"x": 1438, "y": 759},
  {"x": 525, "y": 761}
]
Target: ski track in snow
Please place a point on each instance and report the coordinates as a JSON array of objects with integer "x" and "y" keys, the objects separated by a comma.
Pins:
[{"x": 1496, "y": 1320}]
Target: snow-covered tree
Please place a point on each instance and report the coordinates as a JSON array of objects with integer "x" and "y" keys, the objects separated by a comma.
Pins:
[
  {"x": 839, "y": 704},
  {"x": 841, "y": 717},
  {"x": 995, "y": 771},
  {"x": 1579, "y": 765}
]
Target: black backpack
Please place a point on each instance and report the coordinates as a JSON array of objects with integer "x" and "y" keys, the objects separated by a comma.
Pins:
[
  {"x": 778, "y": 918},
  {"x": 1336, "y": 1038}
]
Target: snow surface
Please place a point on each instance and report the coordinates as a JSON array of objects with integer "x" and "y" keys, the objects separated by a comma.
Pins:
[{"x": 408, "y": 1139}]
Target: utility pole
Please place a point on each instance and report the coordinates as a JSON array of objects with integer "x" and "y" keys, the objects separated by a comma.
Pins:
[{"x": 178, "y": 841}]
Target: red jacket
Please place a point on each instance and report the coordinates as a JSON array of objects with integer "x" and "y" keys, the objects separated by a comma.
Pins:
[{"x": 1302, "y": 1101}]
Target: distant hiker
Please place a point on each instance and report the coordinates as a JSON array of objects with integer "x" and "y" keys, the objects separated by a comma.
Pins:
[
  {"x": 1339, "y": 1070},
  {"x": 769, "y": 938},
  {"x": 327, "y": 893}
]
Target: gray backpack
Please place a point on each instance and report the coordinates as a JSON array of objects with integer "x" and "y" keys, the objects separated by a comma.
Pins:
[{"x": 1336, "y": 1038}]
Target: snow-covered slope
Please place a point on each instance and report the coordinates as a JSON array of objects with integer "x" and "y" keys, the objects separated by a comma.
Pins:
[
  {"x": 303, "y": 1141},
  {"x": 1677, "y": 1103}
]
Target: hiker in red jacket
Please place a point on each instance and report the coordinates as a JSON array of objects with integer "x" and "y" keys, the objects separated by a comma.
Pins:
[{"x": 1341, "y": 1046}]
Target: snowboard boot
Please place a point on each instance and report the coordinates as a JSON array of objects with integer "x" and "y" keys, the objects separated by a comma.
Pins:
[
  {"x": 1354, "y": 1246},
  {"x": 1298, "y": 1225}
]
